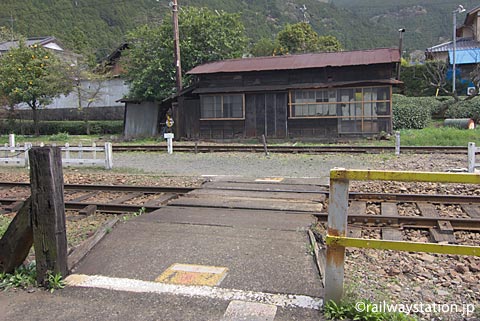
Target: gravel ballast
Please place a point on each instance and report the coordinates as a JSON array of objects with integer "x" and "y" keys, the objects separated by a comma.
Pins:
[{"x": 397, "y": 277}]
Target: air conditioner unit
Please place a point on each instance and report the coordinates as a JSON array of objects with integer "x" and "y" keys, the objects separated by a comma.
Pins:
[{"x": 471, "y": 91}]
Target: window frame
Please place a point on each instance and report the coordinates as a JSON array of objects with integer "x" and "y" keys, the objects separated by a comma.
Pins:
[
  {"x": 222, "y": 106},
  {"x": 291, "y": 105},
  {"x": 362, "y": 118}
]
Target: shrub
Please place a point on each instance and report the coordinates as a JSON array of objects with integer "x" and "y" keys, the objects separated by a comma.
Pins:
[
  {"x": 412, "y": 112},
  {"x": 465, "y": 109},
  {"x": 64, "y": 127}
]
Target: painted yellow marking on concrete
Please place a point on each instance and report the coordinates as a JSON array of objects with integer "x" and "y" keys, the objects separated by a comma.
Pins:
[
  {"x": 270, "y": 179},
  {"x": 403, "y": 246},
  {"x": 190, "y": 274},
  {"x": 403, "y": 176}
]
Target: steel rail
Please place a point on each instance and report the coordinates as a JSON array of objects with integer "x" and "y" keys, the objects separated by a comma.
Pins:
[
  {"x": 361, "y": 220},
  {"x": 415, "y": 222},
  {"x": 293, "y": 149},
  {"x": 358, "y": 196},
  {"x": 113, "y": 188},
  {"x": 364, "y": 220}
]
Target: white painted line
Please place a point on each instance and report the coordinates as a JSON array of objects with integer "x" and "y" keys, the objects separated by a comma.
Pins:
[
  {"x": 138, "y": 286},
  {"x": 241, "y": 311},
  {"x": 198, "y": 268}
]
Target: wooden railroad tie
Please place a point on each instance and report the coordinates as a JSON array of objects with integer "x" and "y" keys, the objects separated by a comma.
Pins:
[{"x": 443, "y": 233}]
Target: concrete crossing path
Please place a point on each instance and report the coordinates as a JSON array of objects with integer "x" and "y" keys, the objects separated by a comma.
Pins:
[{"x": 189, "y": 262}]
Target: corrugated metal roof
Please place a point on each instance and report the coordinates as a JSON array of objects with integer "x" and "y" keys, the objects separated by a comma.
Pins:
[
  {"x": 467, "y": 56},
  {"x": 304, "y": 61},
  {"x": 463, "y": 43}
]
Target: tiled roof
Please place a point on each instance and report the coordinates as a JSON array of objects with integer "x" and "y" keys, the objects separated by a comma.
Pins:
[
  {"x": 7, "y": 45},
  {"x": 462, "y": 43}
]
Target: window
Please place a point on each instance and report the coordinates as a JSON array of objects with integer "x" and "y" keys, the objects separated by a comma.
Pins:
[
  {"x": 221, "y": 106},
  {"x": 348, "y": 103},
  {"x": 308, "y": 103},
  {"x": 358, "y": 110}
]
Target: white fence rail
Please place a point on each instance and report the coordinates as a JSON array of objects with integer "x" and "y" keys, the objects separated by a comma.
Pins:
[
  {"x": 472, "y": 164},
  {"x": 71, "y": 155}
]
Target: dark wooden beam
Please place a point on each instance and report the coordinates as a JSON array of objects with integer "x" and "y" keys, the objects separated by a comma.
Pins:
[
  {"x": 17, "y": 240},
  {"x": 48, "y": 211}
]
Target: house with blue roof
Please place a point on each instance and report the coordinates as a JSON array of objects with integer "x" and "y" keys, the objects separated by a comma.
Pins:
[{"x": 467, "y": 49}]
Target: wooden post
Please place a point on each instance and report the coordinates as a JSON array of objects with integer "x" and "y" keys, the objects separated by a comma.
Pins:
[
  {"x": 48, "y": 211},
  {"x": 337, "y": 226},
  {"x": 17, "y": 240}
]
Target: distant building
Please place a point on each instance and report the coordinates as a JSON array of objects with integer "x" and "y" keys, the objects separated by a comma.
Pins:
[
  {"x": 105, "y": 94},
  {"x": 50, "y": 43},
  {"x": 313, "y": 96},
  {"x": 467, "y": 49},
  {"x": 112, "y": 63}
]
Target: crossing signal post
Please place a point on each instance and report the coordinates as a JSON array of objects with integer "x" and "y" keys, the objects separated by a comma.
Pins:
[{"x": 169, "y": 136}]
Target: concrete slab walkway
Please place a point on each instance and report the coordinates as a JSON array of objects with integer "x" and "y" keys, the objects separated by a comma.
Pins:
[{"x": 195, "y": 263}]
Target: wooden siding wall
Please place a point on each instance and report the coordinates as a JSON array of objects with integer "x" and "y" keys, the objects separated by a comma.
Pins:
[
  {"x": 313, "y": 128},
  {"x": 265, "y": 113},
  {"x": 288, "y": 77}
]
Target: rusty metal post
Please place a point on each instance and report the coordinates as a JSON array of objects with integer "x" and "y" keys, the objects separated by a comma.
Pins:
[{"x": 337, "y": 226}]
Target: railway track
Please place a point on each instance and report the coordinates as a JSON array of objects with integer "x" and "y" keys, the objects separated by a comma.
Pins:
[
  {"x": 293, "y": 149},
  {"x": 117, "y": 199},
  {"x": 112, "y": 199}
]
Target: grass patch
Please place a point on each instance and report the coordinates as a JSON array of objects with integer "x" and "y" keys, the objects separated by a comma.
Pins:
[
  {"x": 434, "y": 135},
  {"x": 25, "y": 277},
  {"x": 59, "y": 139},
  {"x": 441, "y": 136},
  {"x": 354, "y": 307},
  {"x": 362, "y": 310}
]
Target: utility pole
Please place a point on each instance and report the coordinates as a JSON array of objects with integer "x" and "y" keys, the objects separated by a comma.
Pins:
[
  {"x": 176, "y": 44},
  {"x": 11, "y": 23},
  {"x": 460, "y": 9},
  {"x": 401, "y": 31}
]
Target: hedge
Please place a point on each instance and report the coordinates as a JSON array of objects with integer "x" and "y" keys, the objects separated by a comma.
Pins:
[
  {"x": 465, "y": 109},
  {"x": 53, "y": 127},
  {"x": 413, "y": 112}
]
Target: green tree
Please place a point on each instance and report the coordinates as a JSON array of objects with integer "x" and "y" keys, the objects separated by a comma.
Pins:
[
  {"x": 32, "y": 75},
  {"x": 205, "y": 35},
  {"x": 301, "y": 38},
  {"x": 264, "y": 47},
  {"x": 6, "y": 34}
]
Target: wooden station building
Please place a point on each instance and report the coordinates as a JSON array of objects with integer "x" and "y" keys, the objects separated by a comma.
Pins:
[{"x": 321, "y": 95}]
